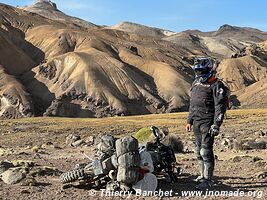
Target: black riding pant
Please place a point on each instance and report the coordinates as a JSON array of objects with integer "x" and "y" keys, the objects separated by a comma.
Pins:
[{"x": 203, "y": 140}]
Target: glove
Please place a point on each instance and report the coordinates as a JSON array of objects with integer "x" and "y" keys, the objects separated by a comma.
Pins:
[{"x": 214, "y": 130}]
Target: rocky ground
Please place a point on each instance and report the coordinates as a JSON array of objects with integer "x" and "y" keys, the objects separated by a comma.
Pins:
[{"x": 35, "y": 151}]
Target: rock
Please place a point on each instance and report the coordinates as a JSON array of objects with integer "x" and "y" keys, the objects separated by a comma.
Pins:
[
  {"x": 256, "y": 158},
  {"x": 237, "y": 144},
  {"x": 241, "y": 158},
  {"x": 28, "y": 147},
  {"x": 78, "y": 143},
  {"x": 47, "y": 145},
  {"x": 263, "y": 132},
  {"x": 23, "y": 153},
  {"x": 262, "y": 139},
  {"x": 54, "y": 108},
  {"x": 23, "y": 128},
  {"x": 25, "y": 192},
  {"x": 186, "y": 149},
  {"x": 258, "y": 133},
  {"x": 72, "y": 138},
  {"x": 35, "y": 149},
  {"x": 4, "y": 166},
  {"x": 262, "y": 175},
  {"x": 90, "y": 140},
  {"x": 66, "y": 186},
  {"x": 12, "y": 176},
  {"x": 23, "y": 163},
  {"x": 186, "y": 167},
  {"x": 236, "y": 159},
  {"x": 29, "y": 181},
  {"x": 44, "y": 171},
  {"x": 225, "y": 142},
  {"x": 260, "y": 163},
  {"x": 5, "y": 152},
  {"x": 249, "y": 144},
  {"x": 258, "y": 145}
]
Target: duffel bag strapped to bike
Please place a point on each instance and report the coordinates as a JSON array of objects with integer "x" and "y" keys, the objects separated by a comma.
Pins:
[
  {"x": 106, "y": 146},
  {"x": 128, "y": 160},
  {"x": 104, "y": 166}
]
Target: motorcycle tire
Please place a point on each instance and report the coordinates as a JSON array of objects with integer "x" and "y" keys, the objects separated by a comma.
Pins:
[{"x": 72, "y": 176}]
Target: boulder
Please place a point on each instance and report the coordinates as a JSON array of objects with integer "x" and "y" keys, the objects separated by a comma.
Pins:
[
  {"x": 248, "y": 144},
  {"x": 5, "y": 152},
  {"x": 12, "y": 176},
  {"x": 78, "y": 143},
  {"x": 72, "y": 138},
  {"x": 4, "y": 166},
  {"x": 90, "y": 140},
  {"x": 256, "y": 159}
]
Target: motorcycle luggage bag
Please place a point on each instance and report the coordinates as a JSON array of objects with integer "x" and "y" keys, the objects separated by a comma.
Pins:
[
  {"x": 128, "y": 160},
  {"x": 106, "y": 147},
  {"x": 125, "y": 145}
]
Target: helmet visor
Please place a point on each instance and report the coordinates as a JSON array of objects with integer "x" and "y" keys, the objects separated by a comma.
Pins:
[
  {"x": 201, "y": 71},
  {"x": 202, "y": 62}
]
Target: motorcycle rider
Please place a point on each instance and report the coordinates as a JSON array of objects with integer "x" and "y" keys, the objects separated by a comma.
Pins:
[{"x": 206, "y": 114}]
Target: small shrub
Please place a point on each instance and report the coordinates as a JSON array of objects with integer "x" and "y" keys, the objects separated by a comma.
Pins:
[
  {"x": 175, "y": 142},
  {"x": 35, "y": 149}
]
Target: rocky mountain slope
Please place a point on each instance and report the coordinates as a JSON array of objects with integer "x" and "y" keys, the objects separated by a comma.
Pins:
[
  {"x": 56, "y": 65},
  {"x": 246, "y": 76},
  {"x": 142, "y": 30},
  {"x": 48, "y": 9},
  {"x": 71, "y": 71},
  {"x": 225, "y": 42}
]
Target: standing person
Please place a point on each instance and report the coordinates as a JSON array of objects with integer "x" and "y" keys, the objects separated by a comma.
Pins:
[{"x": 206, "y": 113}]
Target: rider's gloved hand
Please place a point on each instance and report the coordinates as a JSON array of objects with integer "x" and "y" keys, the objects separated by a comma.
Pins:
[
  {"x": 214, "y": 130},
  {"x": 188, "y": 127}
]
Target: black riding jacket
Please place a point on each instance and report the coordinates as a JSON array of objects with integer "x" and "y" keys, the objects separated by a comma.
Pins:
[{"x": 208, "y": 101}]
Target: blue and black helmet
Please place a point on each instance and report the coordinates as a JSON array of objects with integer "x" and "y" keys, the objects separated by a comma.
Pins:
[{"x": 203, "y": 68}]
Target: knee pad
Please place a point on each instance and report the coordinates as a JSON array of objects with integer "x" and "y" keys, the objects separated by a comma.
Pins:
[
  {"x": 198, "y": 155},
  {"x": 197, "y": 152},
  {"x": 206, "y": 154}
]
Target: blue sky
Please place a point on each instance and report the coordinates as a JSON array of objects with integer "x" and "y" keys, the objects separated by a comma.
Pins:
[{"x": 176, "y": 15}]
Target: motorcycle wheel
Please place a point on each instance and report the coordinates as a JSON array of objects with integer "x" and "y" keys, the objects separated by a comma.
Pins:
[{"x": 72, "y": 176}]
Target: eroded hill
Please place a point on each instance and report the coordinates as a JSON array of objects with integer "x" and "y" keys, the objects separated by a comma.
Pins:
[
  {"x": 84, "y": 72},
  {"x": 57, "y": 65}
]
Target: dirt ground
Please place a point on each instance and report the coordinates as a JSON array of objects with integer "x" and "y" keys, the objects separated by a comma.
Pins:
[{"x": 42, "y": 140}]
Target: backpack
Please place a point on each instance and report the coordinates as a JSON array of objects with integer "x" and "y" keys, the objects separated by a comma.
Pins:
[
  {"x": 106, "y": 146},
  {"x": 128, "y": 160},
  {"x": 228, "y": 93},
  {"x": 227, "y": 89}
]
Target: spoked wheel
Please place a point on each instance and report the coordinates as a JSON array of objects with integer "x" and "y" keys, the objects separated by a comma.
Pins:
[{"x": 73, "y": 175}]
